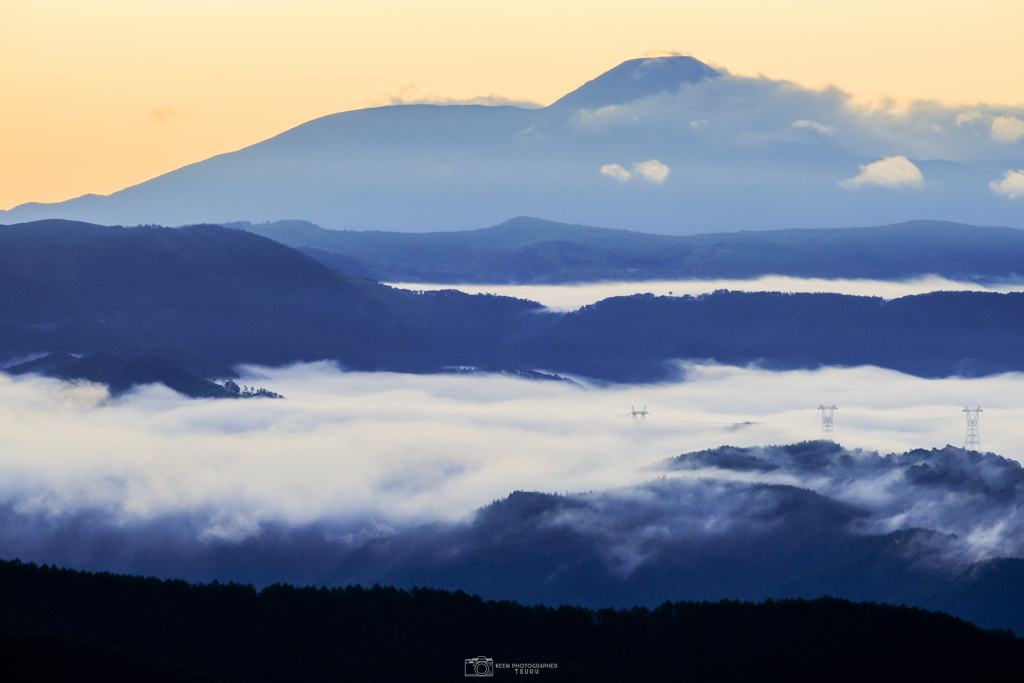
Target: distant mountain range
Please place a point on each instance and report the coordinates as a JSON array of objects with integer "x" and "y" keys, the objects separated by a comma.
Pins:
[
  {"x": 532, "y": 251},
  {"x": 665, "y": 145},
  {"x": 203, "y": 299}
]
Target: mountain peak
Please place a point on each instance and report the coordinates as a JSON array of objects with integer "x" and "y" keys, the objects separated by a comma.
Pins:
[{"x": 637, "y": 78}]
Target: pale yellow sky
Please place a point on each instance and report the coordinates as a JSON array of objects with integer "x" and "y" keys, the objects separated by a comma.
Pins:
[{"x": 98, "y": 95}]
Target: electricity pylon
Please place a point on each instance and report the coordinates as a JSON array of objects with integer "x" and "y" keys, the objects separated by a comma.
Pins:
[
  {"x": 638, "y": 414},
  {"x": 973, "y": 440},
  {"x": 828, "y": 413}
]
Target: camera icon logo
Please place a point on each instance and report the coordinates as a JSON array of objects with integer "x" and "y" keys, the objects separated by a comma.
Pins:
[{"x": 480, "y": 667}]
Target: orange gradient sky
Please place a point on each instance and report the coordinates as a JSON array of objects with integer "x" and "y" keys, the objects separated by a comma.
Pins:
[{"x": 98, "y": 95}]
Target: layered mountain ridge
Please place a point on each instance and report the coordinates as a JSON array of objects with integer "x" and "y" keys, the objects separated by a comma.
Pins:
[
  {"x": 526, "y": 250},
  {"x": 204, "y": 299}
]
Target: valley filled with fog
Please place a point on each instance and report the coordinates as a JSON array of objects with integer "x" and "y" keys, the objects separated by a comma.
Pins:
[
  {"x": 572, "y": 297},
  {"x": 398, "y": 449},
  {"x": 484, "y": 443},
  {"x": 727, "y": 486},
  {"x": 368, "y": 454}
]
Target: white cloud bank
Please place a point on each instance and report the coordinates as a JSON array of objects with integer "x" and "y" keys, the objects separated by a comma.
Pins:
[
  {"x": 400, "y": 449},
  {"x": 969, "y": 116},
  {"x": 1011, "y": 186},
  {"x": 155, "y": 483},
  {"x": 652, "y": 171},
  {"x": 1003, "y": 128},
  {"x": 890, "y": 172},
  {"x": 1007, "y": 129}
]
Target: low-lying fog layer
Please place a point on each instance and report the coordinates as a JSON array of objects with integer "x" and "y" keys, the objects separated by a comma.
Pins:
[
  {"x": 572, "y": 297},
  {"x": 394, "y": 449},
  {"x": 268, "y": 490}
]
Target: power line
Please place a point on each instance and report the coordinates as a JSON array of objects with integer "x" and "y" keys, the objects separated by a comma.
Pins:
[
  {"x": 1000, "y": 428},
  {"x": 1006, "y": 435}
]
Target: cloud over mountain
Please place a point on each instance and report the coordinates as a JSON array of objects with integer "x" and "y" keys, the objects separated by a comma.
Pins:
[
  {"x": 411, "y": 94},
  {"x": 889, "y": 172},
  {"x": 1011, "y": 186}
]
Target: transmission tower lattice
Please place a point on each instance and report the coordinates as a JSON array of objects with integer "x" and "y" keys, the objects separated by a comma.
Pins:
[
  {"x": 828, "y": 413},
  {"x": 638, "y": 414},
  {"x": 973, "y": 440}
]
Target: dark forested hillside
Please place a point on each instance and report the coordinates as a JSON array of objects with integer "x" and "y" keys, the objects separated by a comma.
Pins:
[
  {"x": 930, "y": 335},
  {"x": 120, "y": 374},
  {"x": 203, "y": 299},
  {"x": 712, "y": 535},
  {"x": 530, "y": 251},
  {"x": 60, "y": 625},
  {"x": 207, "y": 298}
]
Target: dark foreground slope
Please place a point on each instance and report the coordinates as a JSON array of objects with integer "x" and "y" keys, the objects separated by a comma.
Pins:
[
  {"x": 532, "y": 251},
  {"x": 203, "y": 299},
  {"x": 60, "y": 625}
]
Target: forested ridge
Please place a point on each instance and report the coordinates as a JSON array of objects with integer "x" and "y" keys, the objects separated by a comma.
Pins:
[
  {"x": 938, "y": 334},
  {"x": 203, "y": 299},
  {"x": 57, "y": 624},
  {"x": 528, "y": 250}
]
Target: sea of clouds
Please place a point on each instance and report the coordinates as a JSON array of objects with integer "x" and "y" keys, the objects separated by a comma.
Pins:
[{"x": 362, "y": 455}]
